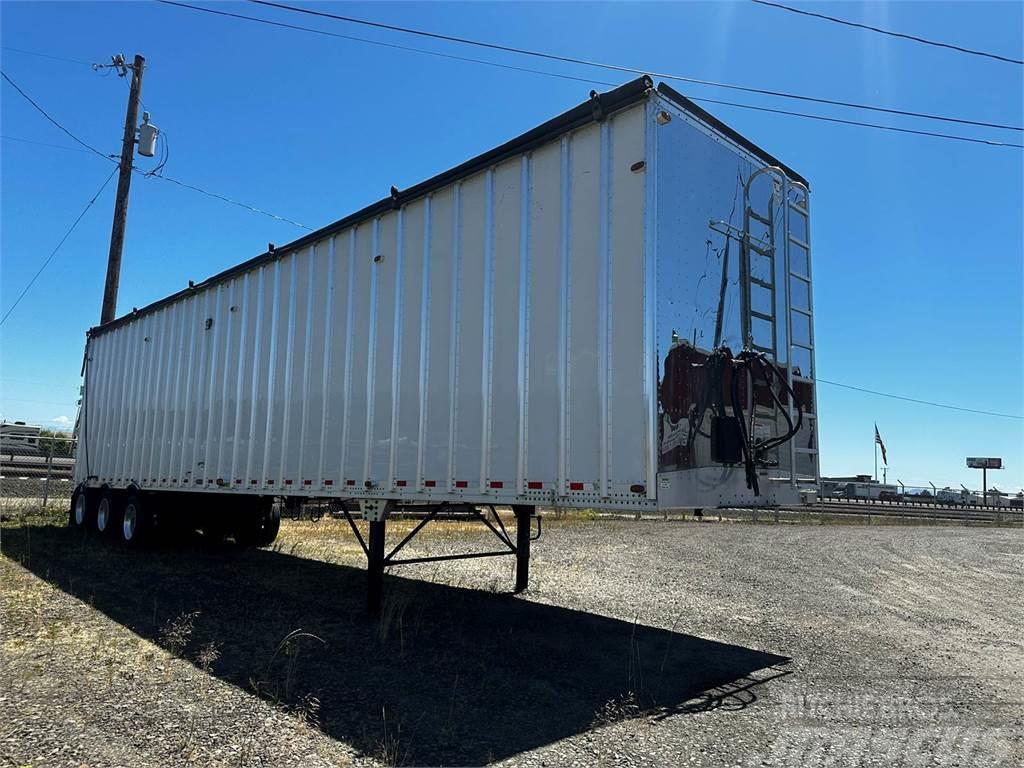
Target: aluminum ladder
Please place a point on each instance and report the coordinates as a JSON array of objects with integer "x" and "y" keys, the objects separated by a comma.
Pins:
[{"x": 791, "y": 200}]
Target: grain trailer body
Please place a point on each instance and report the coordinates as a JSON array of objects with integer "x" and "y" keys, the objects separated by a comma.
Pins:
[{"x": 533, "y": 327}]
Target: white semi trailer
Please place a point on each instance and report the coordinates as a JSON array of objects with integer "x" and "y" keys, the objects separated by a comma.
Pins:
[{"x": 612, "y": 310}]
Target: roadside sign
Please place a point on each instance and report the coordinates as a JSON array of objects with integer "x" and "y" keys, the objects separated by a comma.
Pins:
[{"x": 978, "y": 462}]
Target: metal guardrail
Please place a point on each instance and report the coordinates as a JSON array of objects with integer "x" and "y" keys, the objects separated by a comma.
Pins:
[{"x": 917, "y": 502}]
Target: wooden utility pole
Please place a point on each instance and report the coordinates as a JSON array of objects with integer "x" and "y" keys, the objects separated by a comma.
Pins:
[{"x": 124, "y": 182}]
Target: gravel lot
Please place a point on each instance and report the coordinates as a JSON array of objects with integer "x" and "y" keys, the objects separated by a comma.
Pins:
[{"x": 640, "y": 643}]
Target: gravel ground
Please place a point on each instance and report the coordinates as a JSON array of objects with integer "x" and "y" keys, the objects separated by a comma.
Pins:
[{"x": 640, "y": 643}]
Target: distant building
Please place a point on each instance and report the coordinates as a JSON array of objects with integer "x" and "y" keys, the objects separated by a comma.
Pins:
[{"x": 17, "y": 437}]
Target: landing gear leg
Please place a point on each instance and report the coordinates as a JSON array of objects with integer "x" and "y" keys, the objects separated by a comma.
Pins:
[
  {"x": 523, "y": 518},
  {"x": 375, "y": 566}
]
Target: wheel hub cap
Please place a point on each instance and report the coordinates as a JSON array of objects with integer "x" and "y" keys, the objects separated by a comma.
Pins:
[
  {"x": 103, "y": 515},
  {"x": 80, "y": 510},
  {"x": 128, "y": 527}
]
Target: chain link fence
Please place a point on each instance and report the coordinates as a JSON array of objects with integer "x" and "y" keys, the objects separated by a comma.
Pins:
[
  {"x": 920, "y": 496},
  {"x": 35, "y": 484}
]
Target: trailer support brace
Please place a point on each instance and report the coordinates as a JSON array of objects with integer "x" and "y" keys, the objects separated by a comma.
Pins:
[{"x": 377, "y": 560}]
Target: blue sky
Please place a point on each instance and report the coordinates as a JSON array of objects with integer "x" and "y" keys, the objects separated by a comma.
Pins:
[{"x": 917, "y": 241}]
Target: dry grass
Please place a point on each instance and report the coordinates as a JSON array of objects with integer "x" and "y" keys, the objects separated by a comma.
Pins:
[
  {"x": 78, "y": 688},
  {"x": 331, "y": 539}
]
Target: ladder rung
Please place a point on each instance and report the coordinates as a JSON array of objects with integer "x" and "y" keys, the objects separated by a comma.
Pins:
[
  {"x": 762, "y": 316},
  {"x": 801, "y": 243},
  {"x": 805, "y": 312},
  {"x": 759, "y": 348},
  {"x": 803, "y": 379},
  {"x": 762, "y": 283},
  {"x": 798, "y": 207},
  {"x": 768, "y": 252},
  {"x": 800, "y": 276},
  {"x": 809, "y": 347},
  {"x": 755, "y": 215},
  {"x": 807, "y": 451}
]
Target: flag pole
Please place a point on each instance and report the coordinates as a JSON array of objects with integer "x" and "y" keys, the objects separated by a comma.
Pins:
[{"x": 876, "y": 457}]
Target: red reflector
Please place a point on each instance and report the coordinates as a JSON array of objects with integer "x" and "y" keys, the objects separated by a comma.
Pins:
[
  {"x": 461, "y": 484},
  {"x": 350, "y": 482},
  {"x": 287, "y": 482},
  {"x": 497, "y": 484},
  {"x": 328, "y": 482},
  {"x": 400, "y": 483},
  {"x": 534, "y": 485},
  {"x": 638, "y": 489},
  {"x": 252, "y": 482},
  {"x": 575, "y": 486},
  {"x": 307, "y": 482},
  {"x": 270, "y": 482},
  {"x": 238, "y": 480},
  {"x": 430, "y": 483},
  {"x": 164, "y": 480}
]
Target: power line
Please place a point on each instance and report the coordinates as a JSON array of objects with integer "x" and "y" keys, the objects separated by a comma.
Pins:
[
  {"x": 35, "y": 402},
  {"x": 589, "y": 81},
  {"x": 216, "y": 196},
  {"x": 43, "y": 144},
  {"x": 178, "y": 182},
  {"x": 382, "y": 44},
  {"x": 46, "y": 55},
  {"x": 54, "y": 251},
  {"x": 618, "y": 68},
  {"x": 920, "y": 402},
  {"x": 870, "y": 28},
  {"x": 46, "y": 114},
  {"x": 862, "y": 124}
]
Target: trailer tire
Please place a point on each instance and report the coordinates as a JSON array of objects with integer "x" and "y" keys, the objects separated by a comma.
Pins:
[
  {"x": 106, "y": 516},
  {"x": 259, "y": 527},
  {"x": 136, "y": 522},
  {"x": 82, "y": 514}
]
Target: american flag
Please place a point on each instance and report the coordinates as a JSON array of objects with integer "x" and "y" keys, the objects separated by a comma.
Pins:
[{"x": 878, "y": 439}]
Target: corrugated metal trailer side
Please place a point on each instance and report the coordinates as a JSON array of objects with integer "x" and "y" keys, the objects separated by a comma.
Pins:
[
  {"x": 483, "y": 342},
  {"x": 550, "y": 323}
]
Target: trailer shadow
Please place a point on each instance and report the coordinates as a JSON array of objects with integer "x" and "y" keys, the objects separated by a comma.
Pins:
[{"x": 465, "y": 677}]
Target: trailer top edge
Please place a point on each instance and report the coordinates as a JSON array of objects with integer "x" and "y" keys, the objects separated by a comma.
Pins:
[
  {"x": 703, "y": 115},
  {"x": 599, "y": 106}
]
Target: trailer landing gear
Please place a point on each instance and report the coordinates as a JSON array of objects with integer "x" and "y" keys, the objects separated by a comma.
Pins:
[{"x": 376, "y": 513}]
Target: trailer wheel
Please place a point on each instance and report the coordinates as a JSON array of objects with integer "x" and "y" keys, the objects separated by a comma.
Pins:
[
  {"x": 259, "y": 527},
  {"x": 82, "y": 514},
  {"x": 136, "y": 522},
  {"x": 106, "y": 513}
]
